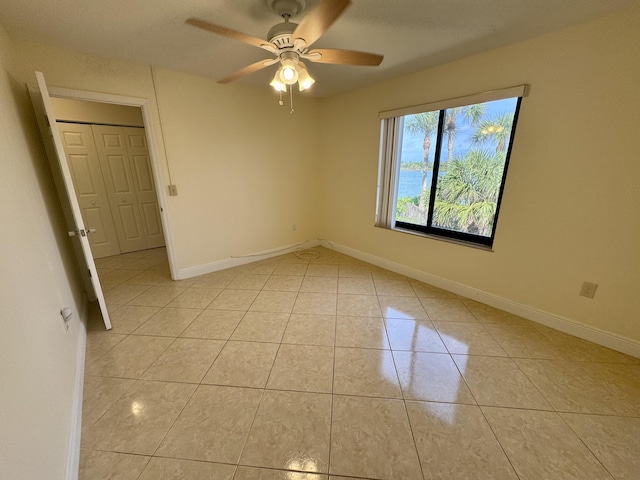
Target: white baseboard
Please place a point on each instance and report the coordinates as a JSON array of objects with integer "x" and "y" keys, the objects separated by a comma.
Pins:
[
  {"x": 563, "y": 324},
  {"x": 73, "y": 455},
  {"x": 189, "y": 272}
]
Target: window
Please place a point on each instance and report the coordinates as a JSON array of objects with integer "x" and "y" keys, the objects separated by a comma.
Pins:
[{"x": 443, "y": 165}]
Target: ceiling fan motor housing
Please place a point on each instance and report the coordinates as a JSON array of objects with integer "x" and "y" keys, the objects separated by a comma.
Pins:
[
  {"x": 287, "y": 8},
  {"x": 280, "y": 34}
]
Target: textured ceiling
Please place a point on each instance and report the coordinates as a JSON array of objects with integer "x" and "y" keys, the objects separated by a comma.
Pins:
[{"x": 411, "y": 34}]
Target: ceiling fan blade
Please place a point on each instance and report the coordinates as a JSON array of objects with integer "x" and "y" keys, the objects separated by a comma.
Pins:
[
  {"x": 319, "y": 19},
  {"x": 227, "y": 32},
  {"x": 344, "y": 57},
  {"x": 249, "y": 69}
]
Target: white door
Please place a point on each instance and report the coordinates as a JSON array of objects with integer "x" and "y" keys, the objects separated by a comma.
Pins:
[
  {"x": 140, "y": 163},
  {"x": 55, "y": 152},
  {"x": 88, "y": 183},
  {"x": 114, "y": 161}
]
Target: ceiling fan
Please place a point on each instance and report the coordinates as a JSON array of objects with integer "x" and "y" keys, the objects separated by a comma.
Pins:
[{"x": 291, "y": 42}]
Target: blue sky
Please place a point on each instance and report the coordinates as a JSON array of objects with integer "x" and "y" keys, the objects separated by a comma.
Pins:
[{"x": 412, "y": 143}]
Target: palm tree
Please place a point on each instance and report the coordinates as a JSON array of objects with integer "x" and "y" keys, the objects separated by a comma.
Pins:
[
  {"x": 468, "y": 193},
  {"x": 497, "y": 128},
  {"x": 471, "y": 113},
  {"x": 424, "y": 123}
]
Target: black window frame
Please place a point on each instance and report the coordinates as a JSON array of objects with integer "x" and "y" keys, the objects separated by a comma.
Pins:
[{"x": 391, "y": 158}]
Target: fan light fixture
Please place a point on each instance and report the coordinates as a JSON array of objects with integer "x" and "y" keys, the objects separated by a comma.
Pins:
[
  {"x": 291, "y": 71},
  {"x": 288, "y": 71},
  {"x": 277, "y": 84},
  {"x": 305, "y": 80}
]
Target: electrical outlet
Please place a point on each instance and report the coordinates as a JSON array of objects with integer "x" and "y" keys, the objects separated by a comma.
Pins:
[
  {"x": 588, "y": 289},
  {"x": 173, "y": 190}
]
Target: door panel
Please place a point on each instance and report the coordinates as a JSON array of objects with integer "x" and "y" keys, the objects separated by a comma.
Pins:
[
  {"x": 120, "y": 175},
  {"x": 130, "y": 222},
  {"x": 143, "y": 176},
  {"x": 112, "y": 140},
  {"x": 82, "y": 158},
  {"x": 94, "y": 218},
  {"x": 152, "y": 220},
  {"x": 140, "y": 162},
  {"x": 64, "y": 184},
  {"x": 118, "y": 179},
  {"x": 80, "y": 170}
]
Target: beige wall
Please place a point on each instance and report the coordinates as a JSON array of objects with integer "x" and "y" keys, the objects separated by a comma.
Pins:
[
  {"x": 38, "y": 358},
  {"x": 246, "y": 170},
  {"x": 97, "y": 112},
  {"x": 570, "y": 209}
]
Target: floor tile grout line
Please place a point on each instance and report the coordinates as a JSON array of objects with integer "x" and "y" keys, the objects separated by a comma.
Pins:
[
  {"x": 360, "y": 395},
  {"x": 463, "y": 378},
  {"x": 156, "y": 359},
  {"x": 226, "y": 342},
  {"x": 276, "y": 355},
  {"x": 495, "y": 435},
  {"x": 333, "y": 381},
  {"x": 246, "y": 438},
  {"x": 262, "y": 391},
  {"x": 175, "y": 420},
  {"x": 110, "y": 405},
  {"x": 404, "y": 405},
  {"x": 580, "y": 439},
  {"x": 530, "y": 380}
]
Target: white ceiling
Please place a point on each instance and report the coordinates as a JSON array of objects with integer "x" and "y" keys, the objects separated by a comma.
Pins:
[{"x": 411, "y": 34}]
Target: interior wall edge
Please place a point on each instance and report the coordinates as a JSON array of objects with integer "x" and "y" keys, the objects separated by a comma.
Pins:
[{"x": 567, "y": 325}]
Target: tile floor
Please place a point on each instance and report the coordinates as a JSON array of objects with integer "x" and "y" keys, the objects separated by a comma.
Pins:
[{"x": 337, "y": 369}]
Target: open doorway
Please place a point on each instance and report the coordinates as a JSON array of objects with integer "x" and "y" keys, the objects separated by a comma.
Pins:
[
  {"x": 126, "y": 219},
  {"x": 107, "y": 153}
]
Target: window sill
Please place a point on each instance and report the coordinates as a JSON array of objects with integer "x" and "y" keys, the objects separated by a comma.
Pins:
[{"x": 441, "y": 239}]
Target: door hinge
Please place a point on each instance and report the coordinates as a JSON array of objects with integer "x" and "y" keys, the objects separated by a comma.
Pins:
[{"x": 89, "y": 272}]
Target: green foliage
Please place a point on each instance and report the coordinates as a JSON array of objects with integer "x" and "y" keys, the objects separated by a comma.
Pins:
[
  {"x": 416, "y": 166},
  {"x": 496, "y": 129},
  {"x": 425, "y": 123},
  {"x": 404, "y": 201},
  {"x": 467, "y": 194},
  {"x": 470, "y": 113},
  {"x": 404, "y": 213}
]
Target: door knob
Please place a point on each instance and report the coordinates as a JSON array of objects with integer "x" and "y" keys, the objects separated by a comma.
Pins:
[
  {"x": 124, "y": 200},
  {"x": 81, "y": 232},
  {"x": 93, "y": 203}
]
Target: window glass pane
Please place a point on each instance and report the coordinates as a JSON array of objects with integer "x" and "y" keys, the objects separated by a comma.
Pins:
[
  {"x": 474, "y": 144},
  {"x": 416, "y": 157}
]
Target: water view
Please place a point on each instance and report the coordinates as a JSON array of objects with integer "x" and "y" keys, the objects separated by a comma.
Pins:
[{"x": 473, "y": 145}]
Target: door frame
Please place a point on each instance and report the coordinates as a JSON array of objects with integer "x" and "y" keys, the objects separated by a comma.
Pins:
[{"x": 143, "y": 103}]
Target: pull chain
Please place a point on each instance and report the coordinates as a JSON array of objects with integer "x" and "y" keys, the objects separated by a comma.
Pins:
[{"x": 291, "y": 98}]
